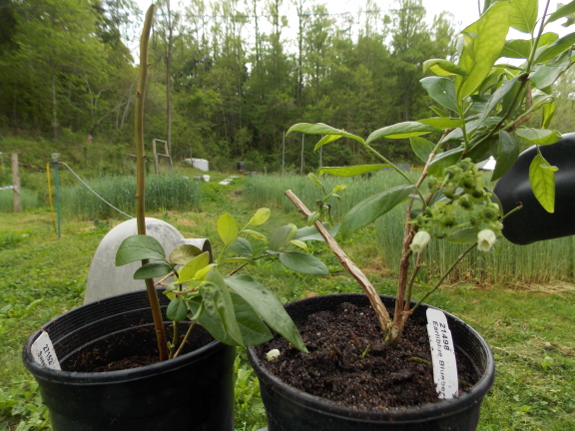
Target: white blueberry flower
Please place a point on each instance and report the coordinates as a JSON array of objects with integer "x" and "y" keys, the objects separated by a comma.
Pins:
[
  {"x": 485, "y": 239},
  {"x": 419, "y": 241},
  {"x": 272, "y": 354}
]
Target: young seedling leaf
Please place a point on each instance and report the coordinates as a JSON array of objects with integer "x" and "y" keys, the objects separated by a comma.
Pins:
[
  {"x": 260, "y": 217},
  {"x": 139, "y": 247},
  {"x": 267, "y": 306},
  {"x": 373, "y": 207},
  {"x": 542, "y": 179},
  {"x": 302, "y": 262},
  {"x": 351, "y": 171},
  {"x": 152, "y": 270},
  {"x": 227, "y": 229}
]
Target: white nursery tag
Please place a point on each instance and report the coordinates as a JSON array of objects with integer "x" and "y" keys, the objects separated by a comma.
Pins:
[
  {"x": 44, "y": 353},
  {"x": 442, "y": 354}
]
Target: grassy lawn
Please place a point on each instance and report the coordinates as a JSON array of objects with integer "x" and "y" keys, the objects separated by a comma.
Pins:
[{"x": 530, "y": 328}]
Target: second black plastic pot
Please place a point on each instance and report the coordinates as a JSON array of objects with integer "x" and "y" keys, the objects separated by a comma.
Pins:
[
  {"x": 290, "y": 409},
  {"x": 193, "y": 392}
]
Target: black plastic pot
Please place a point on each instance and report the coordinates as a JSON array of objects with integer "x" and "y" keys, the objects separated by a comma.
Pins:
[
  {"x": 193, "y": 392},
  {"x": 290, "y": 409},
  {"x": 532, "y": 223}
]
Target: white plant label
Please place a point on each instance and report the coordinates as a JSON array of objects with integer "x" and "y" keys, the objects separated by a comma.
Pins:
[
  {"x": 442, "y": 354},
  {"x": 44, "y": 353}
]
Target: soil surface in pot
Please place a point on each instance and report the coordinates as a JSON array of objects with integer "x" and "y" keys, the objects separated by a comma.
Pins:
[
  {"x": 349, "y": 364},
  {"x": 129, "y": 349}
]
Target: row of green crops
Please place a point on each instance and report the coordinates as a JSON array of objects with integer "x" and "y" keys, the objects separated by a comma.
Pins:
[
  {"x": 163, "y": 192},
  {"x": 540, "y": 262}
]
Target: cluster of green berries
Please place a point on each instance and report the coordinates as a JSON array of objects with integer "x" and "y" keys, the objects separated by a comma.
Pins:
[{"x": 465, "y": 202}]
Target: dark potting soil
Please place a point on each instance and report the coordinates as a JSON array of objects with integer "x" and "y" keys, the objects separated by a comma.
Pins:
[
  {"x": 131, "y": 348},
  {"x": 338, "y": 368}
]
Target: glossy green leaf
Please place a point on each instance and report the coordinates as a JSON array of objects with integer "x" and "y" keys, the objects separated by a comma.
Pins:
[
  {"x": 443, "y": 160},
  {"x": 402, "y": 131},
  {"x": 548, "y": 113},
  {"x": 282, "y": 236},
  {"x": 538, "y": 136},
  {"x": 547, "y": 74},
  {"x": 351, "y": 171},
  {"x": 542, "y": 179},
  {"x": 177, "y": 310},
  {"x": 310, "y": 233},
  {"x": 327, "y": 139},
  {"x": 442, "y": 122},
  {"x": 227, "y": 229},
  {"x": 484, "y": 41},
  {"x": 517, "y": 48},
  {"x": 463, "y": 236},
  {"x": 321, "y": 129},
  {"x": 183, "y": 253},
  {"x": 298, "y": 243},
  {"x": 562, "y": 12},
  {"x": 438, "y": 111},
  {"x": 243, "y": 247},
  {"x": 139, "y": 247},
  {"x": 152, "y": 270},
  {"x": 422, "y": 148},
  {"x": 507, "y": 154},
  {"x": 524, "y": 15},
  {"x": 203, "y": 273},
  {"x": 267, "y": 306},
  {"x": 254, "y": 331},
  {"x": 190, "y": 269},
  {"x": 442, "y": 90},
  {"x": 302, "y": 262},
  {"x": 496, "y": 98},
  {"x": 255, "y": 234},
  {"x": 217, "y": 301},
  {"x": 443, "y": 68},
  {"x": 373, "y": 207},
  {"x": 556, "y": 48},
  {"x": 260, "y": 217}
]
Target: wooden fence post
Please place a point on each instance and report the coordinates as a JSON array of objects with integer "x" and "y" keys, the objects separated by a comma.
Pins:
[{"x": 16, "y": 182}]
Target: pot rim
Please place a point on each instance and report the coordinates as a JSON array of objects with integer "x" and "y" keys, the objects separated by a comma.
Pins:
[
  {"x": 441, "y": 408},
  {"x": 118, "y": 376}
]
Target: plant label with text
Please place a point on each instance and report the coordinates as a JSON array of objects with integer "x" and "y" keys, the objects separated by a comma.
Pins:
[
  {"x": 442, "y": 354},
  {"x": 44, "y": 353}
]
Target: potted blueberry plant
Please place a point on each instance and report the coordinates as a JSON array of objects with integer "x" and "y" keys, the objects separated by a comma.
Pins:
[
  {"x": 366, "y": 373},
  {"x": 162, "y": 359}
]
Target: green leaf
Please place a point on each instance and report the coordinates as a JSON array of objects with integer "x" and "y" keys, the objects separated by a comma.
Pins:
[
  {"x": 254, "y": 331},
  {"x": 302, "y": 262},
  {"x": 548, "y": 112},
  {"x": 524, "y": 15},
  {"x": 350, "y": 171},
  {"x": 183, "y": 253},
  {"x": 442, "y": 122},
  {"x": 203, "y": 273},
  {"x": 260, "y": 217},
  {"x": 422, "y": 148},
  {"x": 139, "y": 247},
  {"x": 517, "y": 48},
  {"x": 542, "y": 179},
  {"x": 152, "y": 270},
  {"x": 268, "y": 307},
  {"x": 298, "y": 243},
  {"x": 314, "y": 179},
  {"x": 443, "y": 68},
  {"x": 177, "y": 310},
  {"x": 442, "y": 90},
  {"x": 255, "y": 234},
  {"x": 374, "y": 207},
  {"x": 547, "y": 74},
  {"x": 497, "y": 97},
  {"x": 217, "y": 300},
  {"x": 321, "y": 129},
  {"x": 282, "y": 236},
  {"x": 507, "y": 154},
  {"x": 327, "y": 139},
  {"x": 562, "y": 12},
  {"x": 227, "y": 229},
  {"x": 463, "y": 236},
  {"x": 538, "y": 136},
  {"x": 190, "y": 269},
  {"x": 439, "y": 112},
  {"x": 484, "y": 41},
  {"x": 402, "y": 131},
  {"x": 242, "y": 246},
  {"x": 556, "y": 48},
  {"x": 443, "y": 160},
  {"x": 310, "y": 233}
]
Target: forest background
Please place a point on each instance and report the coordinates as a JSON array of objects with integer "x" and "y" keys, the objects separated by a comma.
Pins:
[{"x": 227, "y": 78}]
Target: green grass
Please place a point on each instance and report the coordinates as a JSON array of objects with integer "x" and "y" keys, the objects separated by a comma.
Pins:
[{"x": 529, "y": 328}]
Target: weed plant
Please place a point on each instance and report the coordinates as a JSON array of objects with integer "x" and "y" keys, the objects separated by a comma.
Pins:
[
  {"x": 167, "y": 192},
  {"x": 28, "y": 200}
]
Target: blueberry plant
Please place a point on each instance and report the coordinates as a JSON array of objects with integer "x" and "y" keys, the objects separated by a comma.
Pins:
[{"x": 483, "y": 105}]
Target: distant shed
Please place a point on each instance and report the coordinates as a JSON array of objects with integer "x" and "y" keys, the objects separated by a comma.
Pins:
[{"x": 201, "y": 164}]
